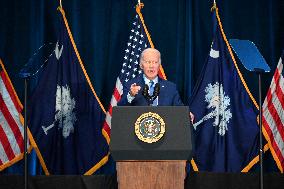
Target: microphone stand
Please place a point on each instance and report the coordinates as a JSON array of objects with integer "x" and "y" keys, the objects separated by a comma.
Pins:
[
  {"x": 26, "y": 77},
  {"x": 259, "y": 72}
]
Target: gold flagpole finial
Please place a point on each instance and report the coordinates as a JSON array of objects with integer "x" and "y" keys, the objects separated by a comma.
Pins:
[
  {"x": 139, "y": 5},
  {"x": 214, "y": 6},
  {"x": 60, "y": 1}
]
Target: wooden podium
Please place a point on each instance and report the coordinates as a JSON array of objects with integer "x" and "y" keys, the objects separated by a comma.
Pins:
[
  {"x": 151, "y": 174},
  {"x": 157, "y": 165}
]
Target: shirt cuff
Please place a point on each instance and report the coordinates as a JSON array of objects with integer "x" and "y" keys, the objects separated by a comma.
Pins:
[{"x": 130, "y": 98}]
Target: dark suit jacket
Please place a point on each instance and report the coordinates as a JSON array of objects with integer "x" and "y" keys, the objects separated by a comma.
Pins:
[{"x": 168, "y": 96}]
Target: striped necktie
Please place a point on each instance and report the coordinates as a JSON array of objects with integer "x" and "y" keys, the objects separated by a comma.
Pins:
[
  {"x": 151, "y": 87},
  {"x": 151, "y": 91}
]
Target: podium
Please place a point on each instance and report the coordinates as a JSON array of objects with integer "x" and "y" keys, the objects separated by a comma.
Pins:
[{"x": 143, "y": 163}]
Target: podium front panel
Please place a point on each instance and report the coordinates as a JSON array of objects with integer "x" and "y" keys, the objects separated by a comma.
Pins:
[{"x": 174, "y": 145}]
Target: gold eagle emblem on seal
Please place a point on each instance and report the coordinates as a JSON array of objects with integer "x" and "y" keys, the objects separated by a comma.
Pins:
[{"x": 150, "y": 127}]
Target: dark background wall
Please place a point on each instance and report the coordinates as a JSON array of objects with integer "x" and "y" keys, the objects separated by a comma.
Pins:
[{"x": 180, "y": 29}]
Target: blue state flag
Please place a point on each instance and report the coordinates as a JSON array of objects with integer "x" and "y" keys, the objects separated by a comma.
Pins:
[
  {"x": 225, "y": 129},
  {"x": 65, "y": 115}
]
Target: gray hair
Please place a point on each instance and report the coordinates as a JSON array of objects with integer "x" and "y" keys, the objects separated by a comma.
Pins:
[{"x": 149, "y": 49}]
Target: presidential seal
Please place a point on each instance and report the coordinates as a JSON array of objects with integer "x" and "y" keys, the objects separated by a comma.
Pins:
[{"x": 150, "y": 127}]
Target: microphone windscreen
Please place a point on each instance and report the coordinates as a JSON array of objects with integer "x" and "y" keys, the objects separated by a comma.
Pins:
[
  {"x": 145, "y": 91},
  {"x": 157, "y": 89}
]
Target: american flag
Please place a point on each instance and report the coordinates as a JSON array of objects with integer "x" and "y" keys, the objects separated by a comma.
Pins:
[
  {"x": 273, "y": 115},
  {"x": 137, "y": 42},
  {"x": 11, "y": 130}
]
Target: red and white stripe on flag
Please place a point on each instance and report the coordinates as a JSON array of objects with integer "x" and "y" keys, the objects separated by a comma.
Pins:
[
  {"x": 273, "y": 116},
  {"x": 11, "y": 130},
  {"x": 116, "y": 96}
]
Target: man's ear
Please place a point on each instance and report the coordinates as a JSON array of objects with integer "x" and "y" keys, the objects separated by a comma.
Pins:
[{"x": 141, "y": 66}]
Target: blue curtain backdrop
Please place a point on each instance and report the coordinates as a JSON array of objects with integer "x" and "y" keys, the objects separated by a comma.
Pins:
[{"x": 180, "y": 29}]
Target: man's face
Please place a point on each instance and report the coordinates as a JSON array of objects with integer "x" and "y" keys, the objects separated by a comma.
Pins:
[{"x": 150, "y": 64}]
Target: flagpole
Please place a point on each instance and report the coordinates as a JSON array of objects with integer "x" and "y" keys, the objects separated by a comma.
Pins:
[{"x": 25, "y": 136}]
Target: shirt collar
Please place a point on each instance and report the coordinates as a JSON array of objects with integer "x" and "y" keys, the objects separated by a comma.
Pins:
[{"x": 147, "y": 81}]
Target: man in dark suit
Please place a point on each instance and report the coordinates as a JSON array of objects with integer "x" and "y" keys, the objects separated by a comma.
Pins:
[{"x": 150, "y": 61}]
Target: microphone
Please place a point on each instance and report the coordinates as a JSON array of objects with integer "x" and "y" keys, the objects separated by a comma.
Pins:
[
  {"x": 150, "y": 98},
  {"x": 145, "y": 91},
  {"x": 156, "y": 91}
]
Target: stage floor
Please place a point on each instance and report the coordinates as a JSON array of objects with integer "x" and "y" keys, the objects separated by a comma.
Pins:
[{"x": 200, "y": 180}]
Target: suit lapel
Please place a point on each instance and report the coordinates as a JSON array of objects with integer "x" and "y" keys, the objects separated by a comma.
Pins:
[
  {"x": 162, "y": 92},
  {"x": 141, "y": 81}
]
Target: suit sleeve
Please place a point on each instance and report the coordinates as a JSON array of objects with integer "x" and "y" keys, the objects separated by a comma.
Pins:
[
  {"x": 123, "y": 101},
  {"x": 176, "y": 98}
]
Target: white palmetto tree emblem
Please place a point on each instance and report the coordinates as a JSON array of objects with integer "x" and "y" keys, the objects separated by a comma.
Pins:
[
  {"x": 219, "y": 102},
  {"x": 64, "y": 115}
]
